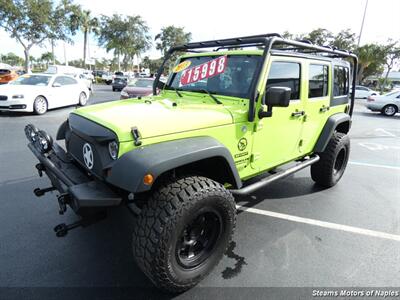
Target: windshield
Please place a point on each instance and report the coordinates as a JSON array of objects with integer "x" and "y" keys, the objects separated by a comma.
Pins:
[
  {"x": 230, "y": 75},
  {"x": 32, "y": 80},
  {"x": 141, "y": 83}
]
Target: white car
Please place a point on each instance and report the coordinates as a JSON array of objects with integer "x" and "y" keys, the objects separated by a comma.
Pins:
[
  {"x": 80, "y": 74},
  {"x": 364, "y": 92},
  {"x": 388, "y": 104},
  {"x": 39, "y": 92}
]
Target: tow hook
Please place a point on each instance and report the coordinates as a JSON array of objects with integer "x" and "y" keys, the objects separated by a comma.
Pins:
[
  {"x": 63, "y": 199},
  {"x": 40, "y": 168},
  {"x": 40, "y": 192},
  {"x": 62, "y": 229}
]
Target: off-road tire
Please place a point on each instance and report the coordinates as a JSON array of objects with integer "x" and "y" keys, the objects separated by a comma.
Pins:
[
  {"x": 389, "y": 110},
  {"x": 170, "y": 209},
  {"x": 333, "y": 161}
]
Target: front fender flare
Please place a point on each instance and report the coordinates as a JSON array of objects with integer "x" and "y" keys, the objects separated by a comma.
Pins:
[{"x": 128, "y": 171}]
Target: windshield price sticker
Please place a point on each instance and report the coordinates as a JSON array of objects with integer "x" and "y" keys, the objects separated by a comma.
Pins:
[{"x": 206, "y": 70}]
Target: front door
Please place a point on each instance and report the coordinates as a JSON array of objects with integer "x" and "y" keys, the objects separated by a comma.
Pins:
[{"x": 277, "y": 139}]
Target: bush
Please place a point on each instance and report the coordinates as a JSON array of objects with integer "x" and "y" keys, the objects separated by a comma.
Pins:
[{"x": 99, "y": 80}]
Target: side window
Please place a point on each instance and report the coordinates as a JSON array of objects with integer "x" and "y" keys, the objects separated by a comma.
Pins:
[
  {"x": 59, "y": 80},
  {"x": 340, "y": 81},
  {"x": 69, "y": 81},
  {"x": 286, "y": 74},
  {"x": 317, "y": 81}
]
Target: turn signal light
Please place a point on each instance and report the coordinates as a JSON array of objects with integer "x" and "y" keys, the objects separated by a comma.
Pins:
[{"x": 148, "y": 179}]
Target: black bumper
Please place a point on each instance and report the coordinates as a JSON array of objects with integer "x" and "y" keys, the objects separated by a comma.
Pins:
[{"x": 78, "y": 188}]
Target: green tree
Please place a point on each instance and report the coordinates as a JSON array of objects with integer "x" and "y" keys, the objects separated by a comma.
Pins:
[
  {"x": 371, "y": 58},
  {"x": 125, "y": 35},
  {"x": 87, "y": 25},
  {"x": 344, "y": 40},
  {"x": 102, "y": 64},
  {"x": 393, "y": 56},
  {"x": 171, "y": 36},
  {"x": 152, "y": 64},
  {"x": 292, "y": 36},
  {"x": 76, "y": 63},
  {"x": 12, "y": 59},
  {"x": 320, "y": 36},
  {"x": 47, "y": 57},
  {"x": 31, "y": 22}
]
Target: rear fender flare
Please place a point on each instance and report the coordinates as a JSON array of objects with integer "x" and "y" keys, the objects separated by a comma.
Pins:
[{"x": 340, "y": 122}]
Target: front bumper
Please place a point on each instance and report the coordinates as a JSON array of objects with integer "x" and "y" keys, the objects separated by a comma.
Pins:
[
  {"x": 374, "y": 106},
  {"x": 78, "y": 189},
  {"x": 15, "y": 105}
]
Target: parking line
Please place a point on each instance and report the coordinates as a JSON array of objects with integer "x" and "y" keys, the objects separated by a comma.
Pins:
[
  {"x": 373, "y": 165},
  {"x": 335, "y": 226}
]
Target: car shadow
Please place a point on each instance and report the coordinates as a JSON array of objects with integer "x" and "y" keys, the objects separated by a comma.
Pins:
[
  {"x": 290, "y": 187},
  {"x": 96, "y": 260},
  {"x": 375, "y": 115}
]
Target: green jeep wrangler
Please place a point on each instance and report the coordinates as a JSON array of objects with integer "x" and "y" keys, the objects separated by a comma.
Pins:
[{"x": 177, "y": 159}]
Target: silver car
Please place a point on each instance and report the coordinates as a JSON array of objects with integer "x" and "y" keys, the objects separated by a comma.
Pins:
[{"x": 388, "y": 104}]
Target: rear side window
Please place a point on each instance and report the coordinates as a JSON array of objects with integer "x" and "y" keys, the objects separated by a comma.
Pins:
[
  {"x": 340, "y": 81},
  {"x": 68, "y": 81},
  {"x": 317, "y": 81},
  {"x": 285, "y": 74}
]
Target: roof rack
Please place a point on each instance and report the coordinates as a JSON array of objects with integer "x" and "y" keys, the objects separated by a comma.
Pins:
[{"x": 267, "y": 41}]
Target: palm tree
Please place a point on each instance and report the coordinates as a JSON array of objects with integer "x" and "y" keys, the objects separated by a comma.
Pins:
[
  {"x": 367, "y": 55},
  {"x": 87, "y": 24},
  {"x": 47, "y": 57}
]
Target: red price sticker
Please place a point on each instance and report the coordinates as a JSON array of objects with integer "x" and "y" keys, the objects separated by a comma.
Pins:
[{"x": 206, "y": 70}]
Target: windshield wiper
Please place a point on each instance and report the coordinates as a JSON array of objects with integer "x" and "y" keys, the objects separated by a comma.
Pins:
[
  {"x": 211, "y": 95},
  {"x": 176, "y": 91}
]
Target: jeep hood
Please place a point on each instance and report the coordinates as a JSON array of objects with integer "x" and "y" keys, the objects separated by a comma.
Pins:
[{"x": 155, "y": 117}]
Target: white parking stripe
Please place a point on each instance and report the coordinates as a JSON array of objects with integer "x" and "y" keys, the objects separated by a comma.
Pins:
[
  {"x": 367, "y": 232},
  {"x": 373, "y": 165}
]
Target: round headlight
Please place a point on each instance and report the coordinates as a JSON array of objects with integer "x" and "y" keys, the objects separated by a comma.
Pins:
[
  {"x": 113, "y": 149},
  {"x": 31, "y": 132},
  {"x": 44, "y": 142}
]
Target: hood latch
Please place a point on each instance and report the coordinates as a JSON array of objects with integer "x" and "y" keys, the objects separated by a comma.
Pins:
[{"x": 136, "y": 136}]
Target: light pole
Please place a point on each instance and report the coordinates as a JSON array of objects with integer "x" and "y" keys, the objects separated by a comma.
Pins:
[{"x": 362, "y": 24}]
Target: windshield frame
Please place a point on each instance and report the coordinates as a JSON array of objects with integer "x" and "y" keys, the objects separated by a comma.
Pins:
[
  {"x": 210, "y": 56},
  {"x": 266, "y": 43}
]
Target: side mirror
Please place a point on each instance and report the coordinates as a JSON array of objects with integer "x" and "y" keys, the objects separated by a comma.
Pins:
[
  {"x": 278, "y": 96},
  {"x": 275, "y": 96},
  {"x": 56, "y": 84}
]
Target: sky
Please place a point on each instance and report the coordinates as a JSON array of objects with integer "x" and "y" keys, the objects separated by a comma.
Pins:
[{"x": 212, "y": 19}]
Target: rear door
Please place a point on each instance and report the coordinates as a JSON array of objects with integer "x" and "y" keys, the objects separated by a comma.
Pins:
[
  {"x": 58, "y": 95},
  {"x": 317, "y": 84},
  {"x": 73, "y": 89}
]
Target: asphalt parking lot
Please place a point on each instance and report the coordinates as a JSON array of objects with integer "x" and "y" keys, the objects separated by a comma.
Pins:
[{"x": 290, "y": 234}]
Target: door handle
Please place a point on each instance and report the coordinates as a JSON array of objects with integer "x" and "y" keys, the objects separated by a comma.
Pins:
[
  {"x": 298, "y": 114},
  {"x": 324, "y": 108}
]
